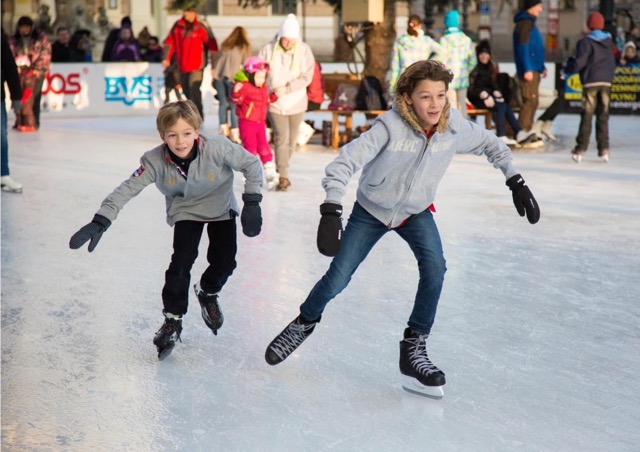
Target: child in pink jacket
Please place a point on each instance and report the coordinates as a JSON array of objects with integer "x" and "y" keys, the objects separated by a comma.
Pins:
[{"x": 252, "y": 97}]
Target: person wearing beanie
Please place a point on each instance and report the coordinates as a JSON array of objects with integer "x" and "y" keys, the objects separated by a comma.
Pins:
[
  {"x": 595, "y": 62},
  {"x": 291, "y": 67},
  {"x": 629, "y": 55},
  {"x": 528, "y": 49},
  {"x": 190, "y": 40},
  {"x": 409, "y": 48},
  {"x": 485, "y": 91},
  {"x": 460, "y": 59},
  {"x": 112, "y": 37}
]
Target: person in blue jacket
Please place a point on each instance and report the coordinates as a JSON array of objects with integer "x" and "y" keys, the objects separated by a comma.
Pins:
[
  {"x": 528, "y": 50},
  {"x": 595, "y": 62},
  {"x": 403, "y": 157}
]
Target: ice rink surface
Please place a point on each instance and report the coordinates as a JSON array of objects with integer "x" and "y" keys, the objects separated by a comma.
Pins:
[{"x": 538, "y": 328}]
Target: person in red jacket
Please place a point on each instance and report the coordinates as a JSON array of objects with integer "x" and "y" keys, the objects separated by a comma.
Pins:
[
  {"x": 189, "y": 39},
  {"x": 315, "y": 91},
  {"x": 252, "y": 97}
]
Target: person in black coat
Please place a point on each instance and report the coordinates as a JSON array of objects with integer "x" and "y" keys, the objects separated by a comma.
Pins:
[
  {"x": 12, "y": 79},
  {"x": 485, "y": 92}
]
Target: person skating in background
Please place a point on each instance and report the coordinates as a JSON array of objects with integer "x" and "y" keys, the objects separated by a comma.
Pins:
[
  {"x": 12, "y": 79},
  {"x": 484, "y": 92},
  {"x": 252, "y": 98},
  {"x": 291, "y": 63},
  {"x": 403, "y": 157},
  {"x": 234, "y": 51},
  {"x": 528, "y": 49},
  {"x": 459, "y": 56},
  {"x": 172, "y": 81},
  {"x": 32, "y": 52},
  {"x": 409, "y": 48},
  {"x": 195, "y": 174},
  {"x": 190, "y": 40},
  {"x": 595, "y": 62}
]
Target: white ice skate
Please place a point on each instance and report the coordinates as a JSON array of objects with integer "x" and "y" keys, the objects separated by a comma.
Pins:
[
  {"x": 271, "y": 175},
  {"x": 10, "y": 185}
]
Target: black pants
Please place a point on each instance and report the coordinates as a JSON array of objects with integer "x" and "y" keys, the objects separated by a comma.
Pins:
[
  {"x": 221, "y": 256},
  {"x": 595, "y": 102},
  {"x": 191, "y": 83}
]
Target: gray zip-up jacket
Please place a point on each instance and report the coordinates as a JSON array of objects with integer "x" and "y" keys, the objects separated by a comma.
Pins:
[
  {"x": 401, "y": 168},
  {"x": 205, "y": 194}
]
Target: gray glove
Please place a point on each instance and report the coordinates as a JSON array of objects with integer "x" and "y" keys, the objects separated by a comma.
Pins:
[{"x": 16, "y": 105}]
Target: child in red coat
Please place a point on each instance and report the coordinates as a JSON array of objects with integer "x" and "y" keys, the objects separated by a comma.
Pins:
[{"x": 252, "y": 97}]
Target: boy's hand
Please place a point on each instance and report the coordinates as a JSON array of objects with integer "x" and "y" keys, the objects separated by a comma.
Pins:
[
  {"x": 523, "y": 199},
  {"x": 92, "y": 231},
  {"x": 251, "y": 216},
  {"x": 330, "y": 229}
]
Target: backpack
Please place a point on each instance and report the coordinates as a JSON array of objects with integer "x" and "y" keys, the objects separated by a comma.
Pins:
[
  {"x": 370, "y": 95},
  {"x": 344, "y": 97}
]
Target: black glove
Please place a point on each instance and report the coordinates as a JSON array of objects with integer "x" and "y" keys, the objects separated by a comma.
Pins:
[
  {"x": 523, "y": 199},
  {"x": 330, "y": 229},
  {"x": 251, "y": 216},
  {"x": 93, "y": 231}
]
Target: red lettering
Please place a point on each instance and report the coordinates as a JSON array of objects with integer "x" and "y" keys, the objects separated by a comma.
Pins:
[{"x": 58, "y": 84}]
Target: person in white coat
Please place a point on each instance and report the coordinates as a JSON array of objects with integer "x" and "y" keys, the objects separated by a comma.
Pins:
[{"x": 291, "y": 63}]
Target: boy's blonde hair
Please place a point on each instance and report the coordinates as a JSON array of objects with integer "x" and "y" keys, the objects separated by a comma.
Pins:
[
  {"x": 171, "y": 112},
  {"x": 422, "y": 70}
]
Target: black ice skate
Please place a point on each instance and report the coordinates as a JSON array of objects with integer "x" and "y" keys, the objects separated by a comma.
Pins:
[
  {"x": 167, "y": 336},
  {"x": 419, "y": 374},
  {"x": 289, "y": 339},
  {"x": 211, "y": 313}
]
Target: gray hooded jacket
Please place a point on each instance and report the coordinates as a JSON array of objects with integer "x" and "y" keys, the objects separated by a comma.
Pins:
[
  {"x": 401, "y": 168},
  {"x": 206, "y": 194}
]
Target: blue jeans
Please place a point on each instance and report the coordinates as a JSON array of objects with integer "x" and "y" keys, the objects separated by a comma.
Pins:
[
  {"x": 502, "y": 111},
  {"x": 224, "y": 87},
  {"x": 360, "y": 235},
  {"x": 5, "y": 142}
]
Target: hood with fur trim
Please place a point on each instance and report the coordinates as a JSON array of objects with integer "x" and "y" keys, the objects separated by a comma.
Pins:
[{"x": 408, "y": 114}]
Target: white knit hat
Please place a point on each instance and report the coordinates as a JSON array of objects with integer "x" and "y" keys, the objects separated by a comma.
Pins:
[{"x": 290, "y": 28}]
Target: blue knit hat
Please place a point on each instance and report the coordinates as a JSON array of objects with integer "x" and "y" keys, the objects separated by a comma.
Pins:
[{"x": 452, "y": 19}]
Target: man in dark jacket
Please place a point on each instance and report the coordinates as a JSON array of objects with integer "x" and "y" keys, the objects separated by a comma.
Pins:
[
  {"x": 595, "y": 62},
  {"x": 10, "y": 76},
  {"x": 528, "y": 49}
]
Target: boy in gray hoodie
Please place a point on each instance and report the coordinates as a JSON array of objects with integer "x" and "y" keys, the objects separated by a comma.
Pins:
[
  {"x": 403, "y": 157},
  {"x": 195, "y": 174}
]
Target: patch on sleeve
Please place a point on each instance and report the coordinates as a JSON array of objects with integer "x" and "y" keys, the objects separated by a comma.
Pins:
[{"x": 138, "y": 172}]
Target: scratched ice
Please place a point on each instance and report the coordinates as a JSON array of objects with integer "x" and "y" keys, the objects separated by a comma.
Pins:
[{"x": 537, "y": 328}]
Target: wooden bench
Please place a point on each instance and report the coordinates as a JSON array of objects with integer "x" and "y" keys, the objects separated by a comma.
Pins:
[
  {"x": 344, "y": 119},
  {"x": 488, "y": 119}
]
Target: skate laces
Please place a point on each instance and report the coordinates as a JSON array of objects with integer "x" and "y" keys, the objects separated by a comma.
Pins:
[
  {"x": 291, "y": 338},
  {"x": 171, "y": 327},
  {"x": 418, "y": 355}
]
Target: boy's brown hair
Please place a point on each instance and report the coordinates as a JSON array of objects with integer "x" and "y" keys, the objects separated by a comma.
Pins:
[
  {"x": 171, "y": 112},
  {"x": 422, "y": 70}
]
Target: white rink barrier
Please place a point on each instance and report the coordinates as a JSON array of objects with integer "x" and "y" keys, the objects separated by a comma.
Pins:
[{"x": 109, "y": 89}]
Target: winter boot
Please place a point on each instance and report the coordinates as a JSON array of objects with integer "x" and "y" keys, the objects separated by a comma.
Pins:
[
  {"x": 224, "y": 130},
  {"x": 419, "y": 374},
  {"x": 10, "y": 185},
  {"x": 289, "y": 339},
  {"x": 211, "y": 313},
  {"x": 283, "y": 184},
  {"x": 546, "y": 130},
  {"x": 167, "y": 335},
  {"x": 235, "y": 136},
  {"x": 271, "y": 175}
]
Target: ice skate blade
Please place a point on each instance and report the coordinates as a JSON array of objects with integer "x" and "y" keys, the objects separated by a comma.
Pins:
[
  {"x": 413, "y": 386},
  {"x": 7, "y": 189},
  {"x": 165, "y": 352}
]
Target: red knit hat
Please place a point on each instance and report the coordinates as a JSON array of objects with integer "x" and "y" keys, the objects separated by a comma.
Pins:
[{"x": 595, "y": 21}]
